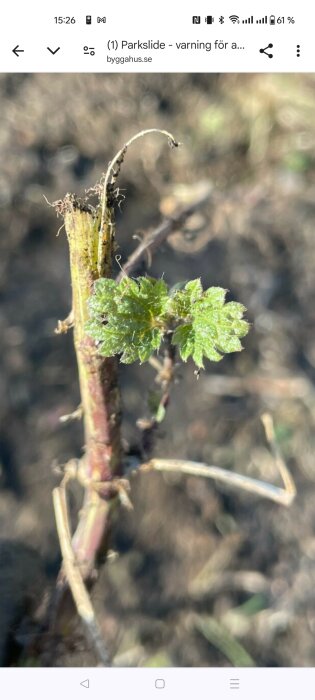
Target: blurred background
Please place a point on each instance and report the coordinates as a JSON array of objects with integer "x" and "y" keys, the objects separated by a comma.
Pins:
[{"x": 201, "y": 575}]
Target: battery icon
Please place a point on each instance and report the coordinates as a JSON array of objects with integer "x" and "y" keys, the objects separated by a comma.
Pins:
[
  {"x": 88, "y": 19},
  {"x": 272, "y": 19},
  {"x": 209, "y": 19}
]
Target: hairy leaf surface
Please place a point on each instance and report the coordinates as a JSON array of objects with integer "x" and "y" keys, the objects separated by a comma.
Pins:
[{"x": 131, "y": 318}]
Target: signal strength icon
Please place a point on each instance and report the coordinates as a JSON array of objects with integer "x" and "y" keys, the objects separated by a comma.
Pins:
[
  {"x": 263, "y": 20},
  {"x": 249, "y": 20},
  {"x": 235, "y": 19}
]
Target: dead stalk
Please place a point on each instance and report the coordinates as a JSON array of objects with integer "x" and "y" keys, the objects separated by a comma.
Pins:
[
  {"x": 74, "y": 578},
  {"x": 283, "y": 496}
]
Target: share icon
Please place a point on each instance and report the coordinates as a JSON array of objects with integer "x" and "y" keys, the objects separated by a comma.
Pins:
[{"x": 270, "y": 46}]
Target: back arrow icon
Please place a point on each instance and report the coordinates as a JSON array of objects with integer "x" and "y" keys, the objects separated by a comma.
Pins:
[
  {"x": 86, "y": 683},
  {"x": 16, "y": 50},
  {"x": 53, "y": 51}
]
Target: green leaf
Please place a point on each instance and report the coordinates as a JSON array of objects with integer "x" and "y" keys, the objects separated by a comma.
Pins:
[
  {"x": 131, "y": 318},
  {"x": 180, "y": 303},
  {"x": 160, "y": 414},
  {"x": 128, "y": 318},
  {"x": 184, "y": 337},
  {"x": 215, "y": 296},
  {"x": 156, "y": 405},
  {"x": 215, "y": 328},
  {"x": 194, "y": 289},
  {"x": 102, "y": 301}
]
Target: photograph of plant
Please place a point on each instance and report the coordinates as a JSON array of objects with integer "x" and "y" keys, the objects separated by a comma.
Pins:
[{"x": 157, "y": 484}]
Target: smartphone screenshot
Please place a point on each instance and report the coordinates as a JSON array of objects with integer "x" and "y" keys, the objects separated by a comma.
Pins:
[{"x": 157, "y": 363}]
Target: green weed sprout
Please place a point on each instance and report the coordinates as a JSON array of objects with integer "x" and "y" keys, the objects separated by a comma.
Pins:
[{"x": 131, "y": 318}]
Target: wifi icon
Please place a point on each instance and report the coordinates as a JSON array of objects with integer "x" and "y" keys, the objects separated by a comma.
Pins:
[{"x": 235, "y": 19}]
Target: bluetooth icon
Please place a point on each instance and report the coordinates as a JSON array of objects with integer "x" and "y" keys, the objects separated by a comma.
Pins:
[{"x": 221, "y": 19}]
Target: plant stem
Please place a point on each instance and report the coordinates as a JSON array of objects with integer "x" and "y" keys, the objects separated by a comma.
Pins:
[
  {"x": 91, "y": 244},
  {"x": 98, "y": 379}
]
